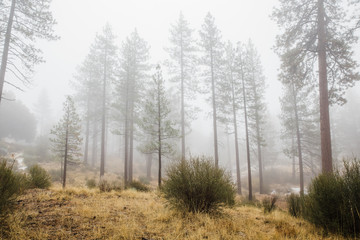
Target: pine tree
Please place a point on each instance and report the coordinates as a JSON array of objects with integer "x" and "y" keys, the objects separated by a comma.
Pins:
[
  {"x": 241, "y": 64},
  {"x": 299, "y": 115},
  {"x": 134, "y": 66},
  {"x": 213, "y": 51},
  {"x": 66, "y": 143},
  {"x": 88, "y": 97},
  {"x": 182, "y": 66},
  {"x": 230, "y": 100},
  {"x": 255, "y": 84},
  {"x": 314, "y": 30},
  {"x": 26, "y": 21},
  {"x": 104, "y": 50},
  {"x": 156, "y": 122}
]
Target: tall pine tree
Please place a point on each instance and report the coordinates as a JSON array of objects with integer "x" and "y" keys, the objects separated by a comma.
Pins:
[
  {"x": 212, "y": 59},
  {"x": 182, "y": 66},
  {"x": 315, "y": 34},
  {"x": 156, "y": 122},
  {"x": 66, "y": 143},
  {"x": 26, "y": 21}
]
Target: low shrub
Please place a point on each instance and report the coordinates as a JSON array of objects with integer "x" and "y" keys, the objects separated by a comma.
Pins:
[
  {"x": 137, "y": 185},
  {"x": 197, "y": 185},
  {"x": 105, "y": 186},
  {"x": 333, "y": 201},
  {"x": 269, "y": 203},
  {"x": 91, "y": 183},
  {"x": 294, "y": 204},
  {"x": 38, "y": 177},
  {"x": 10, "y": 187}
]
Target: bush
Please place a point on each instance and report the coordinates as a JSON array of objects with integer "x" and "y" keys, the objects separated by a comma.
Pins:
[
  {"x": 10, "y": 187},
  {"x": 38, "y": 177},
  {"x": 91, "y": 183},
  {"x": 294, "y": 203},
  {"x": 106, "y": 186},
  {"x": 198, "y": 186},
  {"x": 137, "y": 185},
  {"x": 269, "y": 204},
  {"x": 333, "y": 201}
]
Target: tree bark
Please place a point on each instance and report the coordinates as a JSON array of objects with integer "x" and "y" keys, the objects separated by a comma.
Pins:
[
  {"x": 103, "y": 122},
  {"x": 293, "y": 157},
  {"x": 261, "y": 181},
  {"x": 159, "y": 135},
  {"x": 298, "y": 142},
  {"x": 182, "y": 102},
  {"x": 247, "y": 140},
  {"x": 131, "y": 145},
  {"x": 87, "y": 132},
  {"x": 214, "y": 109},
  {"x": 94, "y": 144},
  {"x": 326, "y": 154},
  {"x": 238, "y": 176},
  {"x": 66, "y": 152},
  {"x": 5, "y": 54}
]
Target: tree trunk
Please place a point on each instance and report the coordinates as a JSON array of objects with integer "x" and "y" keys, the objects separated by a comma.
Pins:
[
  {"x": 159, "y": 135},
  {"x": 182, "y": 103},
  {"x": 326, "y": 154},
  {"x": 6, "y": 47},
  {"x": 247, "y": 140},
  {"x": 131, "y": 145},
  {"x": 214, "y": 109},
  {"x": 103, "y": 123},
  {"x": 301, "y": 170},
  {"x": 87, "y": 132},
  {"x": 293, "y": 157},
  {"x": 258, "y": 139},
  {"x": 66, "y": 154},
  {"x": 94, "y": 144},
  {"x": 238, "y": 176},
  {"x": 126, "y": 150}
]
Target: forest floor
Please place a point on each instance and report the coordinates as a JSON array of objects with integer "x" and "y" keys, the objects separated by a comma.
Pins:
[{"x": 81, "y": 213}]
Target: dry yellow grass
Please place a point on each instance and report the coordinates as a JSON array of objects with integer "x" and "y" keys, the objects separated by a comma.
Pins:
[{"x": 79, "y": 213}]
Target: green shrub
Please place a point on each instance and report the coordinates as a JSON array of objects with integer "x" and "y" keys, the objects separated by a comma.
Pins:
[
  {"x": 91, "y": 183},
  {"x": 10, "y": 187},
  {"x": 106, "y": 186},
  {"x": 137, "y": 185},
  {"x": 333, "y": 201},
  {"x": 38, "y": 177},
  {"x": 294, "y": 204},
  {"x": 198, "y": 186},
  {"x": 269, "y": 204}
]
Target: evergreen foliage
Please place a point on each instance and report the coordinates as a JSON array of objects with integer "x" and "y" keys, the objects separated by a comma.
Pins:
[
  {"x": 38, "y": 177},
  {"x": 197, "y": 185},
  {"x": 156, "y": 122},
  {"x": 11, "y": 185},
  {"x": 181, "y": 65},
  {"x": 66, "y": 141},
  {"x": 25, "y": 22},
  {"x": 333, "y": 200}
]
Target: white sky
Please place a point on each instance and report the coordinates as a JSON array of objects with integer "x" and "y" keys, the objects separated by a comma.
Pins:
[{"x": 80, "y": 20}]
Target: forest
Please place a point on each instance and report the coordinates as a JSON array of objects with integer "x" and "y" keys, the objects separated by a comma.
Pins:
[{"x": 179, "y": 120}]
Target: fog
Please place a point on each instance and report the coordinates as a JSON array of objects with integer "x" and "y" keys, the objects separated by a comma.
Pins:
[{"x": 79, "y": 22}]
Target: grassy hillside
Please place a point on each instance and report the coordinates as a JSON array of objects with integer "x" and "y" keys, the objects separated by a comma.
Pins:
[{"x": 79, "y": 213}]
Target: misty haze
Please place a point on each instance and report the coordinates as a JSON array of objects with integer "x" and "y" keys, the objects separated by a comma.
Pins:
[{"x": 179, "y": 119}]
